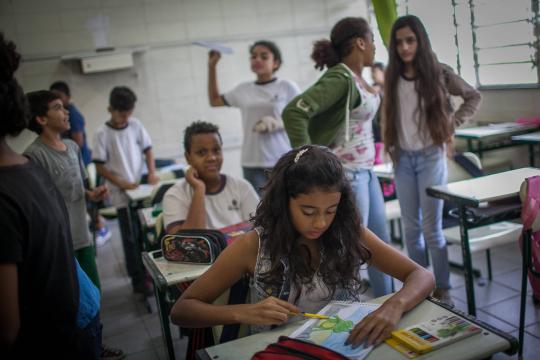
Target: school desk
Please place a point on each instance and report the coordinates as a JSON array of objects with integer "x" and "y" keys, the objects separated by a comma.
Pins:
[
  {"x": 531, "y": 140},
  {"x": 479, "y": 346},
  {"x": 165, "y": 276},
  {"x": 471, "y": 193},
  {"x": 149, "y": 232},
  {"x": 492, "y": 136},
  {"x": 384, "y": 171}
]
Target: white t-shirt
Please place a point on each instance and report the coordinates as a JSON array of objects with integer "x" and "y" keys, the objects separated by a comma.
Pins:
[
  {"x": 359, "y": 151},
  {"x": 256, "y": 101},
  {"x": 122, "y": 153},
  {"x": 233, "y": 204},
  {"x": 409, "y": 135}
]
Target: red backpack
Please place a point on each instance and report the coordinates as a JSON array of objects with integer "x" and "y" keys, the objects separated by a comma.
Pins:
[
  {"x": 531, "y": 208},
  {"x": 290, "y": 349}
]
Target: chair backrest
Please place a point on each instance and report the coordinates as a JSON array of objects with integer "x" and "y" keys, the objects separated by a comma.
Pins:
[
  {"x": 158, "y": 193},
  {"x": 159, "y": 227},
  {"x": 464, "y": 166},
  {"x": 529, "y": 194},
  {"x": 473, "y": 158}
]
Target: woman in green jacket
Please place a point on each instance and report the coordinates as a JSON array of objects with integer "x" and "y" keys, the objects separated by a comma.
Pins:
[{"x": 337, "y": 111}]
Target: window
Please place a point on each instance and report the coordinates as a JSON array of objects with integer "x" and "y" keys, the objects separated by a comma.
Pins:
[{"x": 489, "y": 42}]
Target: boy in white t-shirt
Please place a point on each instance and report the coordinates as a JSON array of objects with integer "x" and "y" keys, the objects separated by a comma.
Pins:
[
  {"x": 206, "y": 198},
  {"x": 121, "y": 148}
]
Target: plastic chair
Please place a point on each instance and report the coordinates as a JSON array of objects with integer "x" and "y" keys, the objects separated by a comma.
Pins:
[{"x": 530, "y": 226}]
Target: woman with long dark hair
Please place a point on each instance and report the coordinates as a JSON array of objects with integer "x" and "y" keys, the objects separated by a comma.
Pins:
[
  {"x": 418, "y": 125},
  {"x": 306, "y": 250},
  {"x": 338, "y": 111}
]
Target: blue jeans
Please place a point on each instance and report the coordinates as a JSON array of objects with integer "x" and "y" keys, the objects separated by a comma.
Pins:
[
  {"x": 256, "y": 176},
  {"x": 421, "y": 214},
  {"x": 370, "y": 203}
]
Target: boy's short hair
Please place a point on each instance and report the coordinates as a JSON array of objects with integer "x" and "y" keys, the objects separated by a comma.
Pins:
[
  {"x": 38, "y": 102},
  {"x": 122, "y": 98},
  {"x": 199, "y": 127},
  {"x": 61, "y": 86}
]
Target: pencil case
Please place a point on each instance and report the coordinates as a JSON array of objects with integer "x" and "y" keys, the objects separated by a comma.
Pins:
[{"x": 193, "y": 246}]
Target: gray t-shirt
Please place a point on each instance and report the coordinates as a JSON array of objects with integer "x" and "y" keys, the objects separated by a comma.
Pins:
[{"x": 67, "y": 172}]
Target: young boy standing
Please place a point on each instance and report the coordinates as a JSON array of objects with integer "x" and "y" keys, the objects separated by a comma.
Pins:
[
  {"x": 77, "y": 133},
  {"x": 120, "y": 148},
  {"x": 206, "y": 198},
  {"x": 61, "y": 159}
]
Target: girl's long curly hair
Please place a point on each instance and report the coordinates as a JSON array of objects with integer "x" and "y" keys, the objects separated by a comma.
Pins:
[
  {"x": 432, "y": 99},
  {"x": 301, "y": 171}
]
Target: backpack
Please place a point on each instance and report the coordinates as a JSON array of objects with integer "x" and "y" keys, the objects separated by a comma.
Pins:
[
  {"x": 287, "y": 348},
  {"x": 529, "y": 213},
  {"x": 197, "y": 246}
]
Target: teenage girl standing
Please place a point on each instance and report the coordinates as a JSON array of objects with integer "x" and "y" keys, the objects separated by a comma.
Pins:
[
  {"x": 338, "y": 111},
  {"x": 418, "y": 124},
  {"x": 260, "y": 103}
]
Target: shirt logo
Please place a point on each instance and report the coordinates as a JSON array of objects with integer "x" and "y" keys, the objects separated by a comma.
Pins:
[{"x": 234, "y": 205}]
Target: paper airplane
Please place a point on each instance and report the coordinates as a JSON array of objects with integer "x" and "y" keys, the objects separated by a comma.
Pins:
[{"x": 214, "y": 46}]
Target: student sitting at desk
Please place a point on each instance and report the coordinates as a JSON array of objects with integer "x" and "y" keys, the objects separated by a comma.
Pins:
[
  {"x": 206, "y": 198},
  {"x": 307, "y": 249}
]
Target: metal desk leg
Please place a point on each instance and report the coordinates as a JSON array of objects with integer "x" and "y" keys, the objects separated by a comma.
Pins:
[
  {"x": 467, "y": 261},
  {"x": 163, "y": 310},
  {"x": 470, "y": 145},
  {"x": 479, "y": 149}
]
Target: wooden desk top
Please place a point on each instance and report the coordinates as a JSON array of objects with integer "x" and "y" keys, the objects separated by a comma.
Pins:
[
  {"x": 472, "y": 192},
  {"x": 385, "y": 170},
  {"x": 144, "y": 191},
  {"x": 492, "y": 130},
  {"x": 529, "y": 138},
  {"x": 478, "y": 346},
  {"x": 169, "y": 273}
]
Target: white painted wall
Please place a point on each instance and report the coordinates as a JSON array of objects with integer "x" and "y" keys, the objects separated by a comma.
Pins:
[{"x": 170, "y": 77}]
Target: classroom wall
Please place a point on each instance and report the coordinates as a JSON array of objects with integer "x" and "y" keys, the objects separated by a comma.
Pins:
[{"x": 170, "y": 76}]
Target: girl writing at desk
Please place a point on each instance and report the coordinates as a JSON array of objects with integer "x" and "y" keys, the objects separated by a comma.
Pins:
[{"x": 307, "y": 249}]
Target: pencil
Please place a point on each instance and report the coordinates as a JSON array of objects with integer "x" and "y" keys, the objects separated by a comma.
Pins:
[{"x": 309, "y": 315}]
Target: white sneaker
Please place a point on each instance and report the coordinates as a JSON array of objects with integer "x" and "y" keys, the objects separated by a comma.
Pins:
[{"x": 103, "y": 235}]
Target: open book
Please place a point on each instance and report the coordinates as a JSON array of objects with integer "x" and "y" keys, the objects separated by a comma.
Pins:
[{"x": 333, "y": 332}]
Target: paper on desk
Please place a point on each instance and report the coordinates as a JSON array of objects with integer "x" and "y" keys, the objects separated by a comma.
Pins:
[
  {"x": 214, "y": 46},
  {"x": 332, "y": 333},
  {"x": 505, "y": 125}
]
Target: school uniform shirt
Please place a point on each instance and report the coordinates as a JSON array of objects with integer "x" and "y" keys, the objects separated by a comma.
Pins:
[
  {"x": 67, "y": 171},
  {"x": 256, "y": 101},
  {"x": 358, "y": 152},
  {"x": 36, "y": 238},
  {"x": 235, "y": 202},
  {"x": 122, "y": 153}
]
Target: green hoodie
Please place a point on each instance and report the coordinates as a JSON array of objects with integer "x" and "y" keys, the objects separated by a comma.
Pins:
[{"x": 318, "y": 114}]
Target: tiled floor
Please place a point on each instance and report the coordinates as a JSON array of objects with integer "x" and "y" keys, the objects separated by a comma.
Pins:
[{"x": 129, "y": 326}]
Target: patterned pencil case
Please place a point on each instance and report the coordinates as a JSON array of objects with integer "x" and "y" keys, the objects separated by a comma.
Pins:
[{"x": 193, "y": 246}]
